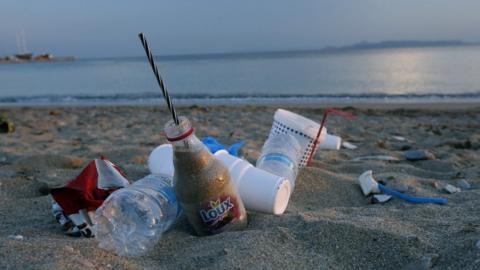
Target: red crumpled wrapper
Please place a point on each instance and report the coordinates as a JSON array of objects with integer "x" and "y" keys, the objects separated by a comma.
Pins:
[{"x": 89, "y": 189}]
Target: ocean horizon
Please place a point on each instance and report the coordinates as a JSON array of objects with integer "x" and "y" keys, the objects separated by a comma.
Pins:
[{"x": 421, "y": 74}]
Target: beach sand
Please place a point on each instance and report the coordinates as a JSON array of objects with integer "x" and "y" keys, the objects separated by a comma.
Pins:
[{"x": 328, "y": 224}]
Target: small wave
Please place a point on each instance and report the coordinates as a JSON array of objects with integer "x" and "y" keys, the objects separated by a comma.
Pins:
[{"x": 188, "y": 99}]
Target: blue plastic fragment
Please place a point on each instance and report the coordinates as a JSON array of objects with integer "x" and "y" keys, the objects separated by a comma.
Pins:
[
  {"x": 213, "y": 145},
  {"x": 234, "y": 149}
]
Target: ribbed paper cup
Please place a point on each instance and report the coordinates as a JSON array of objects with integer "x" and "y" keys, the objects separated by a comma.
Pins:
[{"x": 302, "y": 128}]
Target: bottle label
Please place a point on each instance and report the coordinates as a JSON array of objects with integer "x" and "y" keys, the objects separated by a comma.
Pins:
[
  {"x": 169, "y": 194},
  {"x": 278, "y": 158},
  {"x": 219, "y": 212}
]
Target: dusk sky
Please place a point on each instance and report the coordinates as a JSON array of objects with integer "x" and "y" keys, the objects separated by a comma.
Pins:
[{"x": 109, "y": 27}]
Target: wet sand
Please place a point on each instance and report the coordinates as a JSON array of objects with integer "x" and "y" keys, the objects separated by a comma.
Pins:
[{"x": 328, "y": 223}]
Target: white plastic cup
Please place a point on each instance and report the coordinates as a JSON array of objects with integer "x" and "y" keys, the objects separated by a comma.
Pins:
[
  {"x": 160, "y": 160},
  {"x": 302, "y": 128},
  {"x": 260, "y": 190},
  {"x": 331, "y": 142}
]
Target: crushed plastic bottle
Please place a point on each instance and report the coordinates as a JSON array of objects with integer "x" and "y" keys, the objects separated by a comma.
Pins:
[
  {"x": 281, "y": 156},
  {"x": 132, "y": 220}
]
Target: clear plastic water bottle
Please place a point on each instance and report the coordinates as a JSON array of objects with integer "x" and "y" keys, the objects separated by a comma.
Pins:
[
  {"x": 280, "y": 156},
  {"x": 132, "y": 219}
]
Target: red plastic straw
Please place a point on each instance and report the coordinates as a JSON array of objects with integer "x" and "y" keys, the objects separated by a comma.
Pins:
[{"x": 322, "y": 124}]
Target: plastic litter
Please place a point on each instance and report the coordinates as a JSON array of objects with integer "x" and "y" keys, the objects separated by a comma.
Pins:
[
  {"x": 132, "y": 220},
  {"x": 381, "y": 198},
  {"x": 16, "y": 237},
  {"x": 302, "y": 128},
  {"x": 451, "y": 189},
  {"x": 160, "y": 160},
  {"x": 414, "y": 155},
  {"x": 326, "y": 112},
  {"x": 60, "y": 216},
  {"x": 81, "y": 196},
  {"x": 369, "y": 185},
  {"x": 213, "y": 145},
  {"x": 399, "y": 138},
  {"x": 331, "y": 142},
  {"x": 203, "y": 185},
  {"x": 281, "y": 156},
  {"x": 109, "y": 175},
  {"x": 349, "y": 145},
  {"x": 377, "y": 157},
  {"x": 260, "y": 190}
]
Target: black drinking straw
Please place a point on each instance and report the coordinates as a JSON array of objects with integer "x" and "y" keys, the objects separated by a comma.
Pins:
[{"x": 159, "y": 78}]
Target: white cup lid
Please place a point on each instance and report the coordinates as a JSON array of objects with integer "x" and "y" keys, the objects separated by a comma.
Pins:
[
  {"x": 281, "y": 197},
  {"x": 160, "y": 160}
]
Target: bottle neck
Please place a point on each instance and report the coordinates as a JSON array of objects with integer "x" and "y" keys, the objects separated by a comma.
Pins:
[
  {"x": 182, "y": 135},
  {"x": 189, "y": 143}
]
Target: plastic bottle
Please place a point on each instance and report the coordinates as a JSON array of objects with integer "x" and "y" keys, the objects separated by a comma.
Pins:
[
  {"x": 132, "y": 219},
  {"x": 203, "y": 184},
  {"x": 280, "y": 156}
]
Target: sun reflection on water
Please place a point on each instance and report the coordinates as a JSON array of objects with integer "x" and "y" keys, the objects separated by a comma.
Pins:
[{"x": 401, "y": 71}]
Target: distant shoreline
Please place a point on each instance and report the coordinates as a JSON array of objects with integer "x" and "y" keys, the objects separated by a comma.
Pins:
[
  {"x": 30, "y": 58},
  {"x": 361, "y": 46},
  {"x": 385, "y": 103},
  {"x": 357, "y": 47}
]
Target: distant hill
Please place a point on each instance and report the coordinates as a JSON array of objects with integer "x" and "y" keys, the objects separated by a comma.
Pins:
[{"x": 391, "y": 44}]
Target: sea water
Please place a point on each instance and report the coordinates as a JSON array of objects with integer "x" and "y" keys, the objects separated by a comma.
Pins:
[{"x": 407, "y": 74}]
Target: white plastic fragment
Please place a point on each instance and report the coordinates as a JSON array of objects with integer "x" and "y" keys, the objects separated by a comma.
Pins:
[
  {"x": 331, "y": 142},
  {"x": 108, "y": 176},
  {"x": 378, "y": 157},
  {"x": 381, "y": 198},
  {"x": 399, "y": 138},
  {"x": 367, "y": 183},
  {"x": 348, "y": 145},
  {"x": 16, "y": 237},
  {"x": 451, "y": 189}
]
